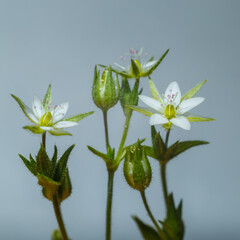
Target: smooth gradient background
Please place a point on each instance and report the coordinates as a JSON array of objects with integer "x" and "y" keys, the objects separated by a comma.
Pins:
[{"x": 59, "y": 42}]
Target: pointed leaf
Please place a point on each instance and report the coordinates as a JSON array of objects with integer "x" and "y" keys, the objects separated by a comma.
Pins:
[
  {"x": 79, "y": 117},
  {"x": 62, "y": 163},
  {"x": 193, "y": 91},
  {"x": 150, "y": 152},
  {"x": 48, "y": 97},
  {"x": 65, "y": 189},
  {"x": 44, "y": 165},
  {"x": 24, "y": 107},
  {"x": 135, "y": 68},
  {"x": 148, "y": 232},
  {"x": 183, "y": 146},
  {"x": 31, "y": 167},
  {"x": 195, "y": 118},
  {"x": 99, "y": 154},
  {"x": 170, "y": 153},
  {"x": 34, "y": 129},
  {"x": 159, "y": 146}
]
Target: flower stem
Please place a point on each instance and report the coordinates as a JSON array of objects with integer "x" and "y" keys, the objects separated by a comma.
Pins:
[
  {"x": 109, "y": 204},
  {"x": 106, "y": 128},
  {"x": 167, "y": 137},
  {"x": 150, "y": 215},
  {"x": 58, "y": 214},
  {"x": 44, "y": 140}
]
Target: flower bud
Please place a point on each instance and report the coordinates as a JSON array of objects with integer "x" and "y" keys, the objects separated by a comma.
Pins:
[
  {"x": 56, "y": 235},
  {"x": 137, "y": 169},
  {"x": 105, "y": 90}
]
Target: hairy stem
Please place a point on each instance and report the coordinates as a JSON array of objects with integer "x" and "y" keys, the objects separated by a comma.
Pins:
[{"x": 106, "y": 129}]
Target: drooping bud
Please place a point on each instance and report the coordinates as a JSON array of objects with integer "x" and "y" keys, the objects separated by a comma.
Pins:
[
  {"x": 137, "y": 169},
  {"x": 105, "y": 91}
]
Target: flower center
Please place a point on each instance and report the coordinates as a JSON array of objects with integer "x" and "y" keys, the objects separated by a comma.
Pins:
[
  {"x": 170, "y": 111},
  {"x": 46, "y": 119}
]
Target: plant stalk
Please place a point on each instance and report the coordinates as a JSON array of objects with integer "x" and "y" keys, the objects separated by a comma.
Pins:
[
  {"x": 58, "y": 214},
  {"x": 106, "y": 129}
]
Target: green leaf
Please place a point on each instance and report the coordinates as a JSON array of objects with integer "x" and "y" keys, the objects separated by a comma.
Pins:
[
  {"x": 44, "y": 165},
  {"x": 48, "y": 183},
  {"x": 34, "y": 129},
  {"x": 101, "y": 65},
  {"x": 79, "y": 117},
  {"x": 154, "y": 91},
  {"x": 59, "y": 132},
  {"x": 31, "y": 166},
  {"x": 62, "y": 163},
  {"x": 143, "y": 110},
  {"x": 54, "y": 161},
  {"x": 193, "y": 91},
  {"x": 158, "y": 144},
  {"x": 195, "y": 118},
  {"x": 148, "y": 232},
  {"x": 24, "y": 107},
  {"x": 169, "y": 154},
  {"x": 183, "y": 146},
  {"x": 135, "y": 68},
  {"x": 156, "y": 65},
  {"x": 48, "y": 97},
  {"x": 105, "y": 157},
  {"x": 65, "y": 188}
]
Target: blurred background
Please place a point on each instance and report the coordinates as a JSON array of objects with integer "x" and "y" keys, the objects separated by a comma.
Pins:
[{"x": 59, "y": 42}]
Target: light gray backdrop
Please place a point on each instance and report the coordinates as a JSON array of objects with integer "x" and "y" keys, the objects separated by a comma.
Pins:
[{"x": 59, "y": 42}]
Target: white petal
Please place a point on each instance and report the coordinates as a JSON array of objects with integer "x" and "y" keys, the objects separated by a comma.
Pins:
[
  {"x": 121, "y": 67},
  {"x": 46, "y": 128},
  {"x": 188, "y": 104},
  {"x": 173, "y": 94},
  {"x": 181, "y": 122},
  {"x": 149, "y": 64},
  {"x": 60, "y": 112},
  {"x": 37, "y": 107},
  {"x": 151, "y": 102},
  {"x": 65, "y": 124},
  {"x": 32, "y": 116},
  {"x": 157, "y": 119}
]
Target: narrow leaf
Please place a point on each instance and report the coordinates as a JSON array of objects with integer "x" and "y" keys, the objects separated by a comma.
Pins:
[
  {"x": 154, "y": 91},
  {"x": 193, "y": 91},
  {"x": 99, "y": 154},
  {"x": 195, "y": 118},
  {"x": 79, "y": 117},
  {"x": 183, "y": 146},
  {"x": 29, "y": 165},
  {"x": 143, "y": 110},
  {"x": 169, "y": 154}
]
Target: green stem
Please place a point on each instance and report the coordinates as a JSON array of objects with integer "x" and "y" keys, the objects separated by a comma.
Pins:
[
  {"x": 167, "y": 137},
  {"x": 150, "y": 215},
  {"x": 106, "y": 129},
  {"x": 109, "y": 204},
  {"x": 58, "y": 214},
  {"x": 44, "y": 140},
  {"x": 164, "y": 182}
]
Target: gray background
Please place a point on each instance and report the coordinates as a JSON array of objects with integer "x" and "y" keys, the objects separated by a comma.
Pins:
[{"x": 59, "y": 42}]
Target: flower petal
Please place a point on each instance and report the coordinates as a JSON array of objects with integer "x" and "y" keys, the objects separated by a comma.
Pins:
[
  {"x": 65, "y": 124},
  {"x": 151, "y": 103},
  {"x": 188, "y": 104},
  {"x": 148, "y": 65},
  {"x": 37, "y": 107},
  {"x": 59, "y": 112},
  {"x": 46, "y": 128},
  {"x": 181, "y": 122},
  {"x": 172, "y": 94},
  {"x": 157, "y": 119},
  {"x": 121, "y": 67},
  {"x": 59, "y": 132}
]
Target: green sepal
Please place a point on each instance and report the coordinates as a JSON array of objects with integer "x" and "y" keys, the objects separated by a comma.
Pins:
[
  {"x": 34, "y": 129},
  {"x": 44, "y": 165},
  {"x": 134, "y": 68},
  {"x": 99, "y": 154},
  {"x": 183, "y": 146},
  {"x": 65, "y": 188},
  {"x": 145, "y": 74},
  {"x": 173, "y": 225},
  {"x": 169, "y": 154},
  {"x": 59, "y": 132},
  {"x": 79, "y": 117},
  {"x": 54, "y": 161},
  {"x": 23, "y": 106},
  {"x": 62, "y": 164},
  {"x": 154, "y": 91},
  {"x": 30, "y": 165},
  {"x": 148, "y": 232},
  {"x": 193, "y": 91},
  {"x": 158, "y": 144},
  {"x": 194, "y": 118},
  {"x": 143, "y": 110},
  {"x": 48, "y": 97},
  {"x": 50, "y": 185},
  {"x": 56, "y": 235}
]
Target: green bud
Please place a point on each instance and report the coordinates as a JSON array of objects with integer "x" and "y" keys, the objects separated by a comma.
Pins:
[
  {"x": 137, "y": 169},
  {"x": 56, "y": 235},
  {"x": 105, "y": 89}
]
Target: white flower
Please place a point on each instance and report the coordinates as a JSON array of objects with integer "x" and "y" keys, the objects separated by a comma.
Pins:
[
  {"x": 47, "y": 117},
  {"x": 139, "y": 66},
  {"x": 172, "y": 109}
]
